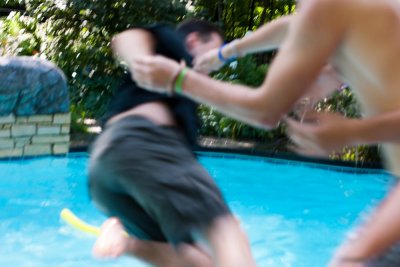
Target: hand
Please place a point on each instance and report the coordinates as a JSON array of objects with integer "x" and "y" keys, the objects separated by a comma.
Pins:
[
  {"x": 208, "y": 61},
  {"x": 155, "y": 73},
  {"x": 320, "y": 134}
]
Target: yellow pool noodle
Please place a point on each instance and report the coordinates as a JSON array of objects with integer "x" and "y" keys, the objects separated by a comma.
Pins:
[{"x": 77, "y": 223}]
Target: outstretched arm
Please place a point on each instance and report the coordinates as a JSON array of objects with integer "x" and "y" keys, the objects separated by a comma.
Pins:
[
  {"x": 312, "y": 39},
  {"x": 268, "y": 37}
]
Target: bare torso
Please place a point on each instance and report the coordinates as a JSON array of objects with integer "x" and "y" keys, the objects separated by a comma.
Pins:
[
  {"x": 157, "y": 112},
  {"x": 369, "y": 60}
]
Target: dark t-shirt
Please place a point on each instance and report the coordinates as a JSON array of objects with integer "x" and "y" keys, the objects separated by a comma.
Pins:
[{"x": 169, "y": 43}]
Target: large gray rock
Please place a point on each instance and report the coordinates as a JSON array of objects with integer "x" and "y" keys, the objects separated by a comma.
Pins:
[{"x": 30, "y": 86}]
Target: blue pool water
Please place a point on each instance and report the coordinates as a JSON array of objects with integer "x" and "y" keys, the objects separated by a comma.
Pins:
[{"x": 295, "y": 214}]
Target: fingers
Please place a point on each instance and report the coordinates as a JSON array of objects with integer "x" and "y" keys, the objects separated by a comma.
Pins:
[
  {"x": 303, "y": 138},
  {"x": 155, "y": 73},
  {"x": 207, "y": 62},
  {"x": 297, "y": 134},
  {"x": 141, "y": 73},
  {"x": 297, "y": 131},
  {"x": 322, "y": 117},
  {"x": 138, "y": 72},
  {"x": 201, "y": 65}
]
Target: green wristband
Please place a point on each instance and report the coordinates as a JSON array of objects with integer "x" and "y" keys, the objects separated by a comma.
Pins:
[{"x": 179, "y": 81}]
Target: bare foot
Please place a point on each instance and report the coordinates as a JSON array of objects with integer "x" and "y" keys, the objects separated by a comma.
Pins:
[{"x": 113, "y": 241}]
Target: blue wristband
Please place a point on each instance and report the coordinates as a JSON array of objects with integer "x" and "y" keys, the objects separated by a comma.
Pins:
[{"x": 222, "y": 58}]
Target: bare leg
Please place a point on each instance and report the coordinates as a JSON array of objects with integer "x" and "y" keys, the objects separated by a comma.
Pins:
[
  {"x": 113, "y": 242},
  {"x": 229, "y": 243}
]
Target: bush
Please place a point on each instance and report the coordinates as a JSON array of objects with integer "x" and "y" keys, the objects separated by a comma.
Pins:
[
  {"x": 243, "y": 71},
  {"x": 19, "y": 35},
  {"x": 76, "y": 36}
]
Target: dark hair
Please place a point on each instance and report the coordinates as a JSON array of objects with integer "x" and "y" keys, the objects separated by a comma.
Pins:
[{"x": 202, "y": 27}]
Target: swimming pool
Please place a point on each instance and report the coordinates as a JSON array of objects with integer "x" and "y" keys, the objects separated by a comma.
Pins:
[{"x": 295, "y": 213}]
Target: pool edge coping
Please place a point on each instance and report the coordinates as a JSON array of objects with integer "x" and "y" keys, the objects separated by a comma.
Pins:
[
  {"x": 274, "y": 154},
  {"x": 263, "y": 155}
]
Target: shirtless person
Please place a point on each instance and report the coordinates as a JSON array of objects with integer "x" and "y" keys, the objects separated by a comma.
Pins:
[
  {"x": 144, "y": 175},
  {"x": 361, "y": 40}
]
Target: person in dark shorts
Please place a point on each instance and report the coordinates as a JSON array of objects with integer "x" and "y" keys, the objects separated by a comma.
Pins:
[{"x": 144, "y": 175}]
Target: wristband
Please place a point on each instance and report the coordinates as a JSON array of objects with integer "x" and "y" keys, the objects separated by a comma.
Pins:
[
  {"x": 173, "y": 82},
  {"x": 179, "y": 81},
  {"x": 222, "y": 58}
]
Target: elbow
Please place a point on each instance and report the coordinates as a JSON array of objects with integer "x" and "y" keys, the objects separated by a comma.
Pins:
[
  {"x": 261, "y": 110},
  {"x": 267, "y": 115},
  {"x": 120, "y": 39}
]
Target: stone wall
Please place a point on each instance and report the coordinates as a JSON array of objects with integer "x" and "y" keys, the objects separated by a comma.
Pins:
[
  {"x": 34, "y": 135},
  {"x": 34, "y": 108}
]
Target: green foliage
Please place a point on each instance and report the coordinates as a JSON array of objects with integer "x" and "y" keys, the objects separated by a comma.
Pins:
[
  {"x": 14, "y": 3},
  {"x": 19, "y": 35},
  {"x": 244, "y": 71},
  {"x": 239, "y": 17},
  {"x": 343, "y": 102},
  {"x": 358, "y": 154},
  {"x": 76, "y": 36},
  {"x": 218, "y": 125},
  {"x": 78, "y": 115}
]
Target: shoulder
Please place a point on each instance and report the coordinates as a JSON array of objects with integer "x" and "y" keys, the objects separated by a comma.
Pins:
[
  {"x": 324, "y": 14},
  {"x": 345, "y": 8},
  {"x": 322, "y": 5},
  {"x": 323, "y": 8}
]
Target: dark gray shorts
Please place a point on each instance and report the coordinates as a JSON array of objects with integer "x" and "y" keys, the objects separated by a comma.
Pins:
[{"x": 147, "y": 176}]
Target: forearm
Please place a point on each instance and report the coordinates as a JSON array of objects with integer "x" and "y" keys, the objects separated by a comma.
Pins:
[
  {"x": 268, "y": 37},
  {"x": 130, "y": 43},
  {"x": 382, "y": 128},
  {"x": 238, "y": 101}
]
